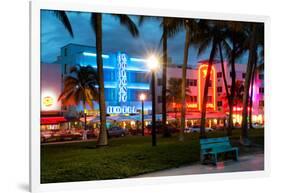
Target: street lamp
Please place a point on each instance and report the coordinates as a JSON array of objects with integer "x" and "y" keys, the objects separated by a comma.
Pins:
[
  {"x": 142, "y": 98},
  {"x": 153, "y": 65}
]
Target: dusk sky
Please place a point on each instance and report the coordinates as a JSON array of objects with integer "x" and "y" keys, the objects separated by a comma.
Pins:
[{"x": 115, "y": 37}]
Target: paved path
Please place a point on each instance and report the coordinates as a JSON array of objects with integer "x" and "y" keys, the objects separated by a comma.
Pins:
[
  {"x": 67, "y": 142},
  {"x": 245, "y": 163}
]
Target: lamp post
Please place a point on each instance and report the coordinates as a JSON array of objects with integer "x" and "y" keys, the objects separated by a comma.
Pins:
[
  {"x": 142, "y": 98},
  {"x": 152, "y": 63}
]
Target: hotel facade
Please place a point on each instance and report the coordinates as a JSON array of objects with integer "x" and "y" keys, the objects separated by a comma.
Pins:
[{"x": 126, "y": 77}]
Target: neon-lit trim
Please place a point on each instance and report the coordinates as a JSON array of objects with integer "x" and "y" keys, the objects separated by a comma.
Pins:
[
  {"x": 199, "y": 89},
  {"x": 128, "y": 68},
  {"x": 141, "y": 87},
  {"x": 95, "y": 66},
  {"x": 137, "y": 69},
  {"x": 214, "y": 87},
  {"x": 95, "y": 55},
  {"x": 213, "y": 70},
  {"x": 109, "y": 85},
  {"x": 137, "y": 60},
  {"x": 130, "y": 86}
]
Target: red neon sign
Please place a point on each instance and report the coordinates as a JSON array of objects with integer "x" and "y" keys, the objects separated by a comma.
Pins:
[{"x": 202, "y": 73}]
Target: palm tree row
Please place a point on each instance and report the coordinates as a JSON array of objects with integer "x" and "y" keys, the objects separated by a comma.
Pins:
[
  {"x": 229, "y": 40},
  {"x": 96, "y": 23}
]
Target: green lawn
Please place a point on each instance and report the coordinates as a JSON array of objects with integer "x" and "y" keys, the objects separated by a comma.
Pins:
[{"x": 127, "y": 156}]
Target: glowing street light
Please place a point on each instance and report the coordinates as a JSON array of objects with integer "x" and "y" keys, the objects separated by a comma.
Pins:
[
  {"x": 142, "y": 98},
  {"x": 153, "y": 65}
]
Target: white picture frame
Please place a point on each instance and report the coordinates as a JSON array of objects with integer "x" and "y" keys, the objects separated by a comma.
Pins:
[{"x": 88, "y": 6}]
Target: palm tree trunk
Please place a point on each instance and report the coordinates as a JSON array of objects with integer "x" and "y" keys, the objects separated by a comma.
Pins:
[
  {"x": 103, "y": 138},
  {"x": 164, "y": 75},
  {"x": 229, "y": 130},
  {"x": 206, "y": 88},
  {"x": 252, "y": 50},
  {"x": 183, "y": 84},
  {"x": 232, "y": 91},
  {"x": 251, "y": 95}
]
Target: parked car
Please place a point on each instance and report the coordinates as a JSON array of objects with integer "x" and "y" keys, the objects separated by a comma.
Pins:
[
  {"x": 45, "y": 135},
  {"x": 160, "y": 128},
  {"x": 116, "y": 132},
  {"x": 196, "y": 129},
  {"x": 257, "y": 126}
]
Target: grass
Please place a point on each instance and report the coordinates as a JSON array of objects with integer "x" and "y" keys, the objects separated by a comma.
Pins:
[{"x": 127, "y": 156}]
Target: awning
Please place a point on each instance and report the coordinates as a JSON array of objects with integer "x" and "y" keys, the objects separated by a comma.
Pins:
[
  {"x": 52, "y": 120},
  {"x": 197, "y": 115}
]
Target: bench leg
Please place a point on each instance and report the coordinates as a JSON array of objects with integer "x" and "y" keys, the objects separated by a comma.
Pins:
[
  {"x": 236, "y": 153},
  {"x": 201, "y": 158},
  {"x": 215, "y": 159}
]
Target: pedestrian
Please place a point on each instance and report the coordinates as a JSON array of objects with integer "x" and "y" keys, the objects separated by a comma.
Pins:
[{"x": 84, "y": 137}]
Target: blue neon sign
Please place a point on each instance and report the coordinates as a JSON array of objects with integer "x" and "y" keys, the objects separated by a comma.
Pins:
[{"x": 122, "y": 77}]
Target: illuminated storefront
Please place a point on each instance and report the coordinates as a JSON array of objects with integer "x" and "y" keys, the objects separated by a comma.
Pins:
[
  {"x": 217, "y": 107},
  {"x": 125, "y": 77}
]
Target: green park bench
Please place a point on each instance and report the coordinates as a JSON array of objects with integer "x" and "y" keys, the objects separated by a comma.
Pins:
[{"x": 212, "y": 147}]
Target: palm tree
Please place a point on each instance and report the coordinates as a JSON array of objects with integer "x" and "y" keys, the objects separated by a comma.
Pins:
[
  {"x": 174, "y": 92},
  {"x": 96, "y": 23},
  {"x": 250, "y": 64},
  {"x": 255, "y": 37},
  {"x": 170, "y": 27},
  {"x": 190, "y": 28},
  {"x": 80, "y": 87},
  {"x": 236, "y": 48},
  {"x": 256, "y": 69},
  {"x": 208, "y": 35}
]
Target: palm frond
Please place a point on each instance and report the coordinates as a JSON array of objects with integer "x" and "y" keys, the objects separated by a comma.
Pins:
[
  {"x": 204, "y": 46},
  {"x": 61, "y": 15},
  {"x": 126, "y": 21}
]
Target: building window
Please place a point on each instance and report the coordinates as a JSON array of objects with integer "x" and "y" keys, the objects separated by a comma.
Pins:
[
  {"x": 219, "y": 103},
  {"x": 191, "y": 82},
  {"x": 261, "y": 76},
  {"x": 65, "y": 51},
  {"x": 219, "y": 74},
  {"x": 65, "y": 68},
  {"x": 192, "y": 99},
  {"x": 159, "y": 82},
  {"x": 210, "y": 83},
  {"x": 159, "y": 99},
  {"x": 243, "y": 75},
  {"x": 261, "y": 103},
  {"x": 219, "y": 89},
  {"x": 230, "y": 74},
  {"x": 261, "y": 90},
  {"x": 209, "y": 99}
]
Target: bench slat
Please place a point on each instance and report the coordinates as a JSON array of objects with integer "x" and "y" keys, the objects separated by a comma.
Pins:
[
  {"x": 214, "y": 140},
  {"x": 207, "y": 146}
]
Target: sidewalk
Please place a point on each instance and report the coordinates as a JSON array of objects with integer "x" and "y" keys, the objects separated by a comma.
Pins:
[
  {"x": 67, "y": 142},
  {"x": 245, "y": 163}
]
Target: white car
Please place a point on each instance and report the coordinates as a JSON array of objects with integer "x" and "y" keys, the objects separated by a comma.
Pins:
[
  {"x": 257, "y": 126},
  {"x": 196, "y": 129}
]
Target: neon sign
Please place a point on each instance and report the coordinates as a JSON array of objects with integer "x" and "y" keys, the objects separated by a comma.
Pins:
[
  {"x": 192, "y": 105},
  {"x": 121, "y": 110},
  {"x": 48, "y": 101},
  {"x": 122, "y": 88},
  {"x": 122, "y": 77},
  {"x": 202, "y": 73}
]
